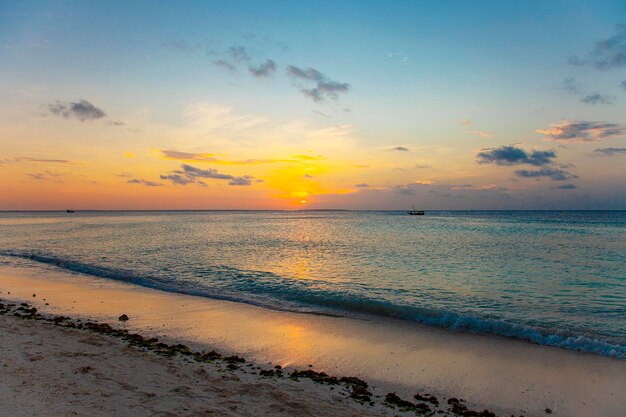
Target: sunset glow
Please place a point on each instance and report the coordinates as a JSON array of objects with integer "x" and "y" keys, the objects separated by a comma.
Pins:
[{"x": 204, "y": 113}]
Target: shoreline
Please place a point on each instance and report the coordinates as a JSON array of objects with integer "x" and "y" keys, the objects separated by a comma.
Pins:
[
  {"x": 509, "y": 377},
  {"x": 364, "y": 402}
]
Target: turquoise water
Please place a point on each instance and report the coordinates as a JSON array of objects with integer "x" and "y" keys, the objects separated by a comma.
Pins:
[{"x": 554, "y": 278}]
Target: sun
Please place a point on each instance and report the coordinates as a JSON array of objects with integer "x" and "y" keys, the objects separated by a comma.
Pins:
[{"x": 303, "y": 201}]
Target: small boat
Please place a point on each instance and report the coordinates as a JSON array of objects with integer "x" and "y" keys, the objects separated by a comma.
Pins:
[
  {"x": 415, "y": 212},
  {"x": 69, "y": 211}
]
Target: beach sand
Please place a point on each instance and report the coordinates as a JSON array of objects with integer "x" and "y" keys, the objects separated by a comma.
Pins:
[{"x": 507, "y": 376}]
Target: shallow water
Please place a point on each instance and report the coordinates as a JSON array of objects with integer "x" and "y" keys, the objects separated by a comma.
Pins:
[{"x": 555, "y": 278}]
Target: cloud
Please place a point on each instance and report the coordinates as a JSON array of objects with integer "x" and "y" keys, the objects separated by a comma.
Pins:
[
  {"x": 465, "y": 122},
  {"x": 623, "y": 84},
  {"x": 397, "y": 55},
  {"x": 583, "y": 131},
  {"x": 145, "y": 182},
  {"x": 565, "y": 187},
  {"x": 178, "y": 179},
  {"x": 423, "y": 166},
  {"x": 19, "y": 159},
  {"x": 610, "y": 151},
  {"x": 553, "y": 173},
  {"x": 324, "y": 88},
  {"x": 263, "y": 70},
  {"x": 400, "y": 148},
  {"x": 512, "y": 155},
  {"x": 179, "y": 46},
  {"x": 44, "y": 175},
  {"x": 320, "y": 113},
  {"x": 481, "y": 133},
  {"x": 81, "y": 110},
  {"x": 571, "y": 86},
  {"x": 226, "y": 65},
  {"x": 190, "y": 174},
  {"x": 597, "y": 98},
  {"x": 362, "y": 185},
  {"x": 210, "y": 158},
  {"x": 606, "y": 53},
  {"x": 477, "y": 187},
  {"x": 238, "y": 54},
  {"x": 115, "y": 123}
]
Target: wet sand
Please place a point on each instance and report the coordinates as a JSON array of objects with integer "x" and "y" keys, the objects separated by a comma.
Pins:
[{"x": 507, "y": 376}]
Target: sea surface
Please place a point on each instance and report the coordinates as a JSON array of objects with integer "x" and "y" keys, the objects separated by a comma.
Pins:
[{"x": 554, "y": 278}]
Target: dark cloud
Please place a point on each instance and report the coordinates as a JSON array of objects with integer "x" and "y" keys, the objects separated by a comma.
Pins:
[
  {"x": 324, "y": 88},
  {"x": 610, "y": 151},
  {"x": 263, "y": 70},
  {"x": 565, "y": 187},
  {"x": 178, "y": 179},
  {"x": 308, "y": 176},
  {"x": 583, "y": 131},
  {"x": 145, "y": 182},
  {"x": 423, "y": 166},
  {"x": 190, "y": 174},
  {"x": 606, "y": 53},
  {"x": 400, "y": 148},
  {"x": 597, "y": 98},
  {"x": 81, "y": 110},
  {"x": 512, "y": 155},
  {"x": 226, "y": 65},
  {"x": 238, "y": 54},
  {"x": 362, "y": 185},
  {"x": 553, "y": 173},
  {"x": 623, "y": 84}
]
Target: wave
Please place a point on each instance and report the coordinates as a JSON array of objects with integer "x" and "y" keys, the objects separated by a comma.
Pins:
[{"x": 268, "y": 290}]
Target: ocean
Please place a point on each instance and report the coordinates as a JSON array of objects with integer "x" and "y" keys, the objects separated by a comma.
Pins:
[{"x": 555, "y": 278}]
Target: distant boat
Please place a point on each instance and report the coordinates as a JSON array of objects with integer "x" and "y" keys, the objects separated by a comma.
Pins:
[
  {"x": 69, "y": 211},
  {"x": 415, "y": 212}
]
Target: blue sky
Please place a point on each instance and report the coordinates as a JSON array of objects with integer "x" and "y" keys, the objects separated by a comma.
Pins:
[{"x": 443, "y": 80}]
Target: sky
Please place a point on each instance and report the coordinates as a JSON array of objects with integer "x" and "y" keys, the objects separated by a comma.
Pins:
[{"x": 312, "y": 105}]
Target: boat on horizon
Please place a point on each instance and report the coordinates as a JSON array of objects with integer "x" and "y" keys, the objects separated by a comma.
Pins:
[
  {"x": 415, "y": 212},
  {"x": 69, "y": 211}
]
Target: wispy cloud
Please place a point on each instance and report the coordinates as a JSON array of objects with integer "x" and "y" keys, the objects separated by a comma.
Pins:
[
  {"x": 21, "y": 159},
  {"x": 179, "y": 45},
  {"x": 570, "y": 85},
  {"x": 397, "y": 55},
  {"x": 606, "y": 53},
  {"x": 565, "y": 187},
  {"x": 145, "y": 182},
  {"x": 610, "y": 151},
  {"x": 583, "y": 131},
  {"x": 210, "y": 158},
  {"x": 39, "y": 176},
  {"x": 238, "y": 53},
  {"x": 597, "y": 98},
  {"x": 362, "y": 185},
  {"x": 465, "y": 122},
  {"x": 264, "y": 70},
  {"x": 552, "y": 173},
  {"x": 189, "y": 174},
  {"x": 481, "y": 133},
  {"x": 323, "y": 87},
  {"x": 81, "y": 110},
  {"x": 512, "y": 155},
  {"x": 222, "y": 63}
]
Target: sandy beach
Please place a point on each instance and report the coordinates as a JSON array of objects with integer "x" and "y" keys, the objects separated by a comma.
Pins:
[{"x": 101, "y": 373}]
